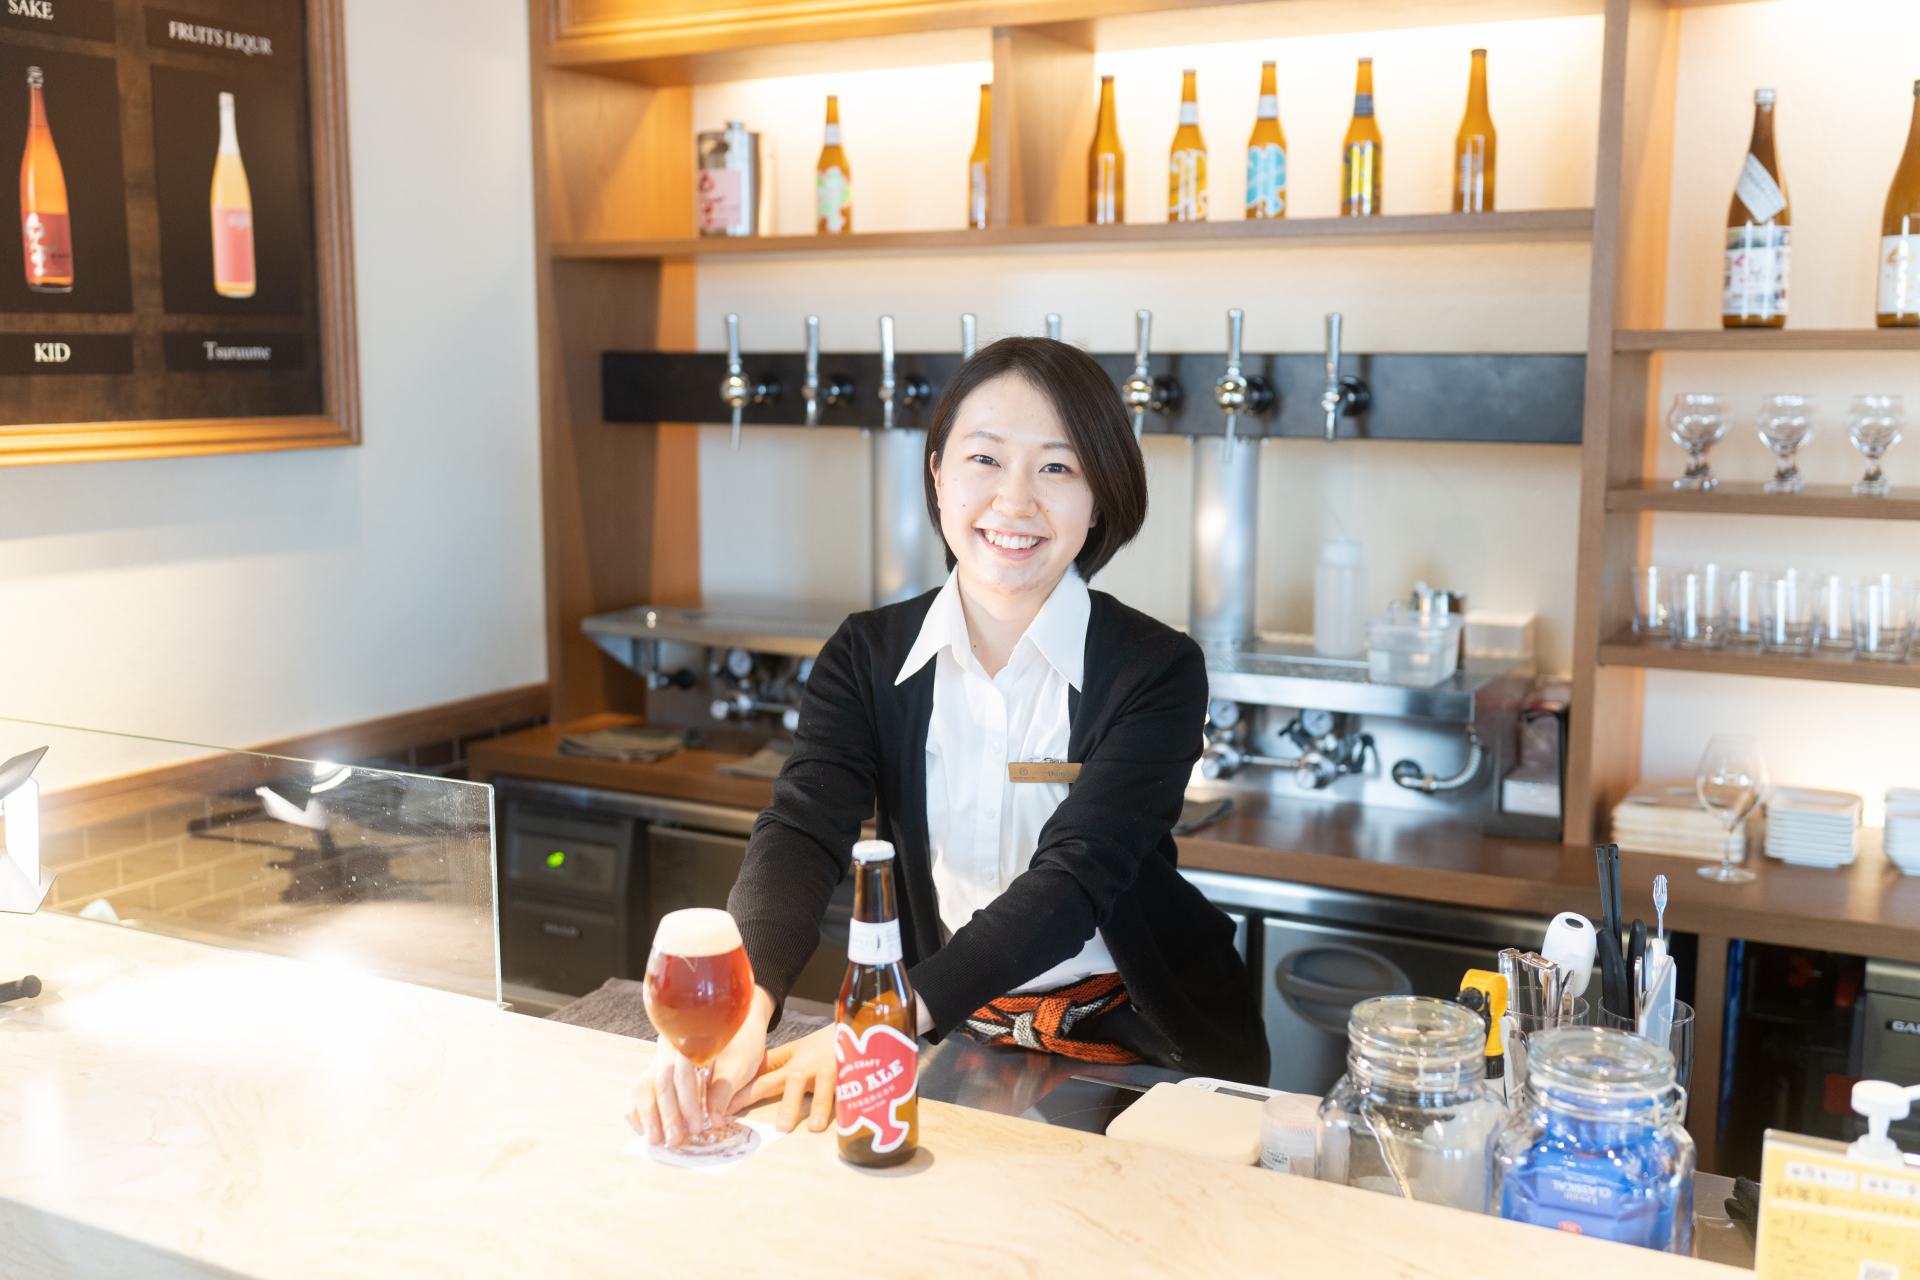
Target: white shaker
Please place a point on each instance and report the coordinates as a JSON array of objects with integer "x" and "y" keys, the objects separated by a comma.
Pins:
[{"x": 1339, "y": 600}]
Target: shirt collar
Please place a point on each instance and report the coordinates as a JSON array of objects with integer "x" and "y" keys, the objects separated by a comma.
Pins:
[{"x": 1058, "y": 631}]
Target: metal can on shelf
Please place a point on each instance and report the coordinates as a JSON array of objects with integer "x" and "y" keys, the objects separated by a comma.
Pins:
[{"x": 728, "y": 195}]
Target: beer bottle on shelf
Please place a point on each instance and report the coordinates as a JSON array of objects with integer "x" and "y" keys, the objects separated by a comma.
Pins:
[
  {"x": 46, "y": 236},
  {"x": 876, "y": 1108},
  {"x": 833, "y": 180},
  {"x": 1473, "y": 147},
  {"x": 231, "y": 205},
  {"x": 1899, "y": 305},
  {"x": 1187, "y": 160},
  {"x": 1759, "y": 233},
  {"x": 977, "y": 162},
  {"x": 1267, "y": 154},
  {"x": 1360, "y": 153},
  {"x": 1106, "y": 165}
]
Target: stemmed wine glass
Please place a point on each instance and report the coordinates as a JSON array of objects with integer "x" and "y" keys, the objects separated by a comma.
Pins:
[
  {"x": 1731, "y": 781},
  {"x": 1874, "y": 423},
  {"x": 1695, "y": 421},
  {"x": 1785, "y": 425},
  {"x": 698, "y": 992}
]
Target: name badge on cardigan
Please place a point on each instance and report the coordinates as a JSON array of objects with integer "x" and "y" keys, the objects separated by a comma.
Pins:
[{"x": 1042, "y": 771}]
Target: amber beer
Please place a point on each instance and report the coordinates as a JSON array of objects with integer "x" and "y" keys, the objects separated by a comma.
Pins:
[
  {"x": 1187, "y": 159},
  {"x": 698, "y": 991},
  {"x": 1473, "y": 146},
  {"x": 1759, "y": 233},
  {"x": 1106, "y": 165},
  {"x": 980, "y": 162},
  {"x": 832, "y": 179},
  {"x": 46, "y": 237},
  {"x": 876, "y": 1108},
  {"x": 1360, "y": 153}
]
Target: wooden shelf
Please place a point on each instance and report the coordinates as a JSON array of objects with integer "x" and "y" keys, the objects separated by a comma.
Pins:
[
  {"x": 1522, "y": 225},
  {"x": 1766, "y": 340},
  {"x": 1625, "y": 651},
  {"x": 1832, "y": 501}
]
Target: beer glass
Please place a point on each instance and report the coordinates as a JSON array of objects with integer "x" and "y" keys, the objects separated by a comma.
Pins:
[{"x": 699, "y": 988}]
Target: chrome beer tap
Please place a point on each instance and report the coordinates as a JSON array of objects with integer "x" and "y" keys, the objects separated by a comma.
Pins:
[
  {"x": 1142, "y": 391},
  {"x": 735, "y": 391},
  {"x": 1345, "y": 395},
  {"x": 967, "y": 336},
  {"x": 1235, "y": 392},
  {"x": 911, "y": 390},
  {"x": 837, "y": 389}
]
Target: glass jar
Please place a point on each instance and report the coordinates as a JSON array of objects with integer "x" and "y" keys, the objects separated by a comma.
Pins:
[
  {"x": 1595, "y": 1146},
  {"x": 1414, "y": 1114}
]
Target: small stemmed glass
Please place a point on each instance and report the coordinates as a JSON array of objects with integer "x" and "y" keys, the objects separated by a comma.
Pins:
[
  {"x": 1785, "y": 425},
  {"x": 1695, "y": 422},
  {"x": 1874, "y": 423},
  {"x": 1731, "y": 781}
]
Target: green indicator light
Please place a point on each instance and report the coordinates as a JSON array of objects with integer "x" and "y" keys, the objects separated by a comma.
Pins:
[{"x": 556, "y": 859}]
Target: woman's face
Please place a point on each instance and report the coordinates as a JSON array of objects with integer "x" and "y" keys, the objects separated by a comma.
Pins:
[{"x": 1014, "y": 506}]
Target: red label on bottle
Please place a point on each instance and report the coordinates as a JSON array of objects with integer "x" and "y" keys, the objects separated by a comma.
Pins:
[
  {"x": 48, "y": 241},
  {"x": 879, "y": 1071},
  {"x": 233, "y": 246}
]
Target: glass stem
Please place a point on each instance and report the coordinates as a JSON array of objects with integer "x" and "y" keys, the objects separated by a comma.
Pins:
[{"x": 703, "y": 1075}]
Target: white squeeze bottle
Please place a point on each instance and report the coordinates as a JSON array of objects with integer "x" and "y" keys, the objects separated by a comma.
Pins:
[{"x": 1339, "y": 596}]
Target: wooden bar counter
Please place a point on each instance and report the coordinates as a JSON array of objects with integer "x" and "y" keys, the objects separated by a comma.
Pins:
[{"x": 176, "y": 1110}]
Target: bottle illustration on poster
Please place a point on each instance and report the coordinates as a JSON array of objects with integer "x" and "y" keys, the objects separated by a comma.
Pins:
[
  {"x": 46, "y": 234},
  {"x": 232, "y": 206}
]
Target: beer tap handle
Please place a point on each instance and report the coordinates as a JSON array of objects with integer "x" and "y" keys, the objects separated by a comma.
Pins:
[
  {"x": 1138, "y": 393},
  {"x": 1230, "y": 392},
  {"x": 1344, "y": 395},
  {"x": 733, "y": 388},
  {"x": 1053, "y": 325},
  {"x": 886, "y": 373},
  {"x": 810, "y": 389},
  {"x": 967, "y": 337}
]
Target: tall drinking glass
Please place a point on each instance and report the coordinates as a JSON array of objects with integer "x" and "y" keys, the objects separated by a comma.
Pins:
[
  {"x": 698, "y": 991},
  {"x": 1731, "y": 781}
]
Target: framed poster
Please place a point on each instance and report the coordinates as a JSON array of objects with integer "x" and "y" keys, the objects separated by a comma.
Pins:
[{"x": 182, "y": 282}]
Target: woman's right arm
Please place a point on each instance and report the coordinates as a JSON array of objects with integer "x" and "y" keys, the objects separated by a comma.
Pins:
[{"x": 795, "y": 857}]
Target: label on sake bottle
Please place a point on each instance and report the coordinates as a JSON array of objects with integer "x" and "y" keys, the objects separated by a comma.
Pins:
[
  {"x": 833, "y": 198},
  {"x": 1899, "y": 275},
  {"x": 1266, "y": 181},
  {"x": 1758, "y": 258}
]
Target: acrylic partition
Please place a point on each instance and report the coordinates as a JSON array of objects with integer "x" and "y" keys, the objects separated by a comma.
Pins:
[{"x": 387, "y": 873}]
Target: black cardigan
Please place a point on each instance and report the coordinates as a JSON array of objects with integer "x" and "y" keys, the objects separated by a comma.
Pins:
[{"x": 1106, "y": 858}]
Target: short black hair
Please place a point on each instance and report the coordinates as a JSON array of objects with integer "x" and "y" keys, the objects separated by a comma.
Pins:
[{"x": 1097, "y": 427}]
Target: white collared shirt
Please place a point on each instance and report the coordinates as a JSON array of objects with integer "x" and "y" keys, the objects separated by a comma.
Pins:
[{"x": 981, "y": 829}]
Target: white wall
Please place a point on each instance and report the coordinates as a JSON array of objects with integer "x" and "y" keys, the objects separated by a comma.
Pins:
[
  {"x": 1845, "y": 78},
  {"x": 234, "y": 600},
  {"x": 1495, "y": 521}
]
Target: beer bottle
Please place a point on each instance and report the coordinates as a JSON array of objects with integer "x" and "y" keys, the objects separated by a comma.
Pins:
[
  {"x": 876, "y": 1108},
  {"x": 46, "y": 236},
  {"x": 1473, "y": 147},
  {"x": 1106, "y": 165},
  {"x": 1360, "y": 153},
  {"x": 1187, "y": 160},
  {"x": 1759, "y": 233},
  {"x": 977, "y": 162},
  {"x": 1267, "y": 154},
  {"x": 1899, "y": 305},
  {"x": 833, "y": 180}
]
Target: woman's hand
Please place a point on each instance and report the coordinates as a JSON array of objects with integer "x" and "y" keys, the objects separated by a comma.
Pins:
[
  {"x": 666, "y": 1104},
  {"x": 792, "y": 1071}
]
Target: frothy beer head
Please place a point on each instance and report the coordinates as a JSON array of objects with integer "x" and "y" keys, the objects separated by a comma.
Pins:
[{"x": 695, "y": 932}]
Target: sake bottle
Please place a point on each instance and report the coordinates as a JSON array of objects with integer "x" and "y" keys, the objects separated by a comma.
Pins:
[
  {"x": 1267, "y": 154},
  {"x": 1899, "y": 305},
  {"x": 46, "y": 233},
  {"x": 1106, "y": 165},
  {"x": 1473, "y": 146},
  {"x": 978, "y": 162},
  {"x": 833, "y": 180},
  {"x": 1360, "y": 152},
  {"x": 1759, "y": 233},
  {"x": 1187, "y": 159}
]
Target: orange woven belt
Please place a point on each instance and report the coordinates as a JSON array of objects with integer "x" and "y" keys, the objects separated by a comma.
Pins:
[{"x": 1047, "y": 1020}]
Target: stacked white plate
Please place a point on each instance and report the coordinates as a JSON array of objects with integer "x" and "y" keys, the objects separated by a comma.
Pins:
[
  {"x": 1902, "y": 841},
  {"x": 1811, "y": 828}
]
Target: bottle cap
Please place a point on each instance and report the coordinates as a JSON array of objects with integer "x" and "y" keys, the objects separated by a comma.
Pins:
[
  {"x": 36, "y": 79},
  {"x": 873, "y": 851},
  {"x": 1763, "y": 97}
]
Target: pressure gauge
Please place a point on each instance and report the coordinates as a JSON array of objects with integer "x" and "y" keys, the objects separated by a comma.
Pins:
[
  {"x": 739, "y": 663},
  {"x": 1224, "y": 712},
  {"x": 1318, "y": 724}
]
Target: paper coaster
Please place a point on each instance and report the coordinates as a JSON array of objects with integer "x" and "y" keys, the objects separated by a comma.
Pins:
[{"x": 764, "y": 1136}]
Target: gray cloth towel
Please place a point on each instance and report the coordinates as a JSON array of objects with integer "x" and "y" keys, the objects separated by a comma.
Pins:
[
  {"x": 620, "y": 1006},
  {"x": 764, "y": 763},
  {"x": 633, "y": 745}
]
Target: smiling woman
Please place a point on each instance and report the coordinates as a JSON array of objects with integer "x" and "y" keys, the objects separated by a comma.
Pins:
[{"x": 1040, "y": 908}]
